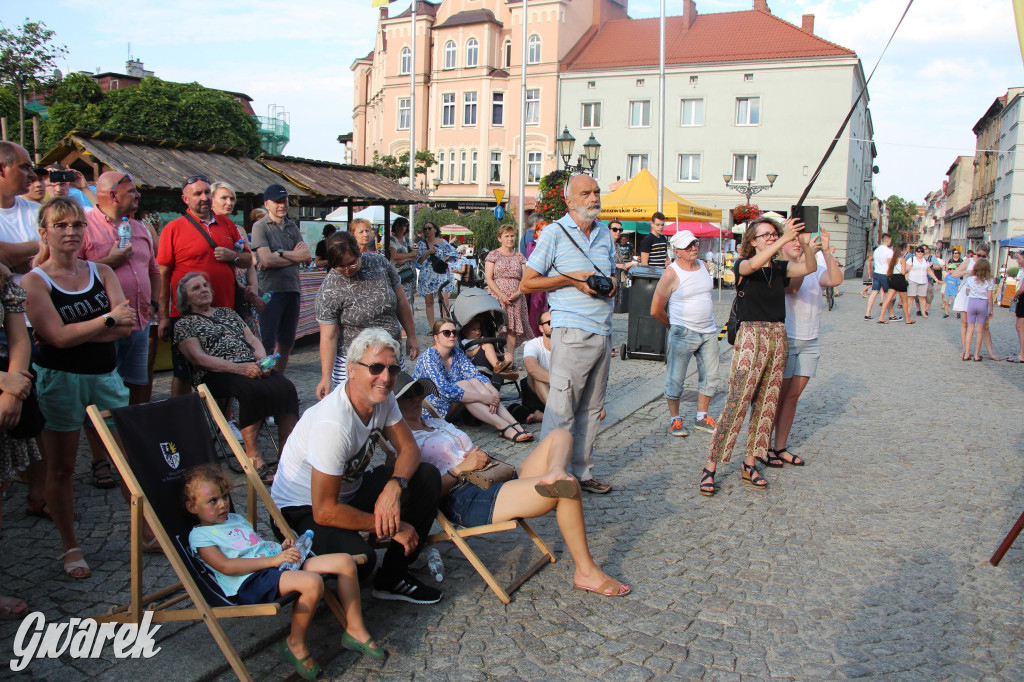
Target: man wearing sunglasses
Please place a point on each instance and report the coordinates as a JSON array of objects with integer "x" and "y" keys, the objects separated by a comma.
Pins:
[
  {"x": 322, "y": 482},
  {"x": 184, "y": 248}
]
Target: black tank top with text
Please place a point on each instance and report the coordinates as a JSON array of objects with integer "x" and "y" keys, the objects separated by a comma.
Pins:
[{"x": 79, "y": 306}]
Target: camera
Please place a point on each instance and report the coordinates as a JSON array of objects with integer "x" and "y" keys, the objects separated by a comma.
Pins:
[
  {"x": 62, "y": 176},
  {"x": 601, "y": 285}
]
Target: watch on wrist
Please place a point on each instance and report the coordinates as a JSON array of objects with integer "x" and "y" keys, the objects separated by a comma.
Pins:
[
  {"x": 280, "y": 252},
  {"x": 109, "y": 321},
  {"x": 402, "y": 483}
]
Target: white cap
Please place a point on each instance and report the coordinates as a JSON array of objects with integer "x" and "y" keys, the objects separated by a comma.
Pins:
[
  {"x": 777, "y": 218},
  {"x": 682, "y": 239}
]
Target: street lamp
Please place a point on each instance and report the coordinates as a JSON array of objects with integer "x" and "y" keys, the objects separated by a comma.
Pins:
[
  {"x": 748, "y": 188},
  {"x": 422, "y": 189},
  {"x": 564, "y": 144}
]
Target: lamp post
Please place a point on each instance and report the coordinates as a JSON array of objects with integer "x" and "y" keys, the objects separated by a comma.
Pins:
[
  {"x": 564, "y": 144},
  {"x": 422, "y": 189},
  {"x": 748, "y": 188}
]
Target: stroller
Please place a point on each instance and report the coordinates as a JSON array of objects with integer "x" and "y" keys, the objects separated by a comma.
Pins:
[{"x": 478, "y": 305}]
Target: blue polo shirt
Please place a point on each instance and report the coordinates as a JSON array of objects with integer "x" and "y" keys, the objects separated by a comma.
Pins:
[{"x": 555, "y": 254}]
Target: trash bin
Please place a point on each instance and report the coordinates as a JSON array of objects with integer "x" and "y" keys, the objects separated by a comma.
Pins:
[
  {"x": 622, "y": 296},
  {"x": 647, "y": 337}
]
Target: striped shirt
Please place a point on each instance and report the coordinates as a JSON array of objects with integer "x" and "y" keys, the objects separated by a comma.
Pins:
[{"x": 555, "y": 254}]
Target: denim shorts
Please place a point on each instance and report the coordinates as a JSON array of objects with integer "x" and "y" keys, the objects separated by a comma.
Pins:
[
  {"x": 63, "y": 396},
  {"x": 803, "y": 358},
  {"x": 133, "y": 357},
  {"x": 879, "y": 281},
  {"x": 682, "y": 344},
  {"x": 467, "y": 505}
]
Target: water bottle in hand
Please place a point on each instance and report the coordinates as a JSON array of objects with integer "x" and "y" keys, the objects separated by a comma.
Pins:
[
  {"x": 434, "y": 564},
  {"x": 268, "y": 362},
  {"x": 124, "y": 233},
  {"x": 240, "y": 245},
  {"x": 303, "y": 543},
  {"x": 267, "y": 296}
]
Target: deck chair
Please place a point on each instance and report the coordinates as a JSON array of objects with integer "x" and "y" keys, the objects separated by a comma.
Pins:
[
  {"x": 459, "y": 535},
  {"x": 161, "y": 441}
]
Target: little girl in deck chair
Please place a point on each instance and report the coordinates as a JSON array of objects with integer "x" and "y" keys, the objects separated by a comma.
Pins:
[{"x": 246, "y": 568}]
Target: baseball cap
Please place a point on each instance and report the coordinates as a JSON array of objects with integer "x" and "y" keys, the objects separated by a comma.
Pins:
[
  {"x": 682, "y": 239},
  {"x": 275, "y": 193}
]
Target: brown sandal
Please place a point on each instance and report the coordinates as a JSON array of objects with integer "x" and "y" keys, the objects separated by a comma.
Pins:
[{"x": 752, "y": 476}]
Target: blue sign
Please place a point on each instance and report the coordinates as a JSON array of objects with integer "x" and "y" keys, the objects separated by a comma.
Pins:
[{"x": 499, "y": 212}]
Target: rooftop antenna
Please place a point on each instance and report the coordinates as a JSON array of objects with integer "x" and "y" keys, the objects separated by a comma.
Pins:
[{"x": 129, "y": 51}]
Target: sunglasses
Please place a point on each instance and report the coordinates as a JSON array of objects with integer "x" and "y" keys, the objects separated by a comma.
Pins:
[
  {"x": 447, "y": 333},
  {"x": 123, "y": 178},
  {"x": 377, "y": 368},
  {"x": 195, "y": 178},
  {"x": 616, "y": 229}
]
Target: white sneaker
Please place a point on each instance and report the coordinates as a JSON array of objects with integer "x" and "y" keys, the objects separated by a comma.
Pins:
[{"x": 235, "y": 431}]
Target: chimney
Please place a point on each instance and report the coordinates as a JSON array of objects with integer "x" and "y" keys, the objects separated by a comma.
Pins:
[
  {"x": 808, "y": 24},
  {"x": 384, "y": 12},
  {"x": 762, "y": 5},
  {"x": 689, "y": 13}
]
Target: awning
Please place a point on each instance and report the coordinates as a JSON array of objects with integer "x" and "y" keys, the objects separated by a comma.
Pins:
[
  {"x": 698, "y": 229},
  {"x": 638, "y": 200}
]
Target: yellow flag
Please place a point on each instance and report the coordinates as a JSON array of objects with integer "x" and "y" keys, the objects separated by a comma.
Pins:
[
  {"x": 380, "y": 3},
  {"x": 1018, "y": 11}
]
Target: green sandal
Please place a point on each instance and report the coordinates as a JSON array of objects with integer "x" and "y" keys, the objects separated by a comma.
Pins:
[
  {"x": 353, "y": 644},
  {"x": 313, "y": 672}
]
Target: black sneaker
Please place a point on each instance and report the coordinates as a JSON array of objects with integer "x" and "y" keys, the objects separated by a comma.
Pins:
[
  {"x": 408, "y": 588},
  {"x": 918, "y": 313}
]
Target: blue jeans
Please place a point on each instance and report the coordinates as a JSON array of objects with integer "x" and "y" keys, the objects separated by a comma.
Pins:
[{"x": 682, "y": 344}]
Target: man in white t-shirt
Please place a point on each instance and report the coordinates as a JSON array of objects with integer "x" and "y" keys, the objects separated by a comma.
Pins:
[
  {"x": 685, "y": 290},
  {"x": 880, "y": 275},
  {"x": 537, "y": 361},
  {"x": 19, "y": 217},
  {"x": 321, "y": 486}
]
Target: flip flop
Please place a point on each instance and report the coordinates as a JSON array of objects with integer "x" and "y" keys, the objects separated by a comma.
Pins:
[
  {"x": 1013, "y": 358},
  {"x": 313, "y": 672},
  {"x": 563, "y": 487},
  {"x": 12, "y": 608},
  {"x": 609, "y": 588}
]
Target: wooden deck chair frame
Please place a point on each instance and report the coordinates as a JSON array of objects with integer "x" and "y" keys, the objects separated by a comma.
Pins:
[
  {"x": 159, "y": 602},
  {"x": 458, "y": 537}
]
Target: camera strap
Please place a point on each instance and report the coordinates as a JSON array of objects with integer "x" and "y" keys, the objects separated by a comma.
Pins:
[{"x": 578, "y": 248}]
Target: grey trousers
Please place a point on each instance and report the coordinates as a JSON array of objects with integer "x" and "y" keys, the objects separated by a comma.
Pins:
[{"x": 580, "y": 362}]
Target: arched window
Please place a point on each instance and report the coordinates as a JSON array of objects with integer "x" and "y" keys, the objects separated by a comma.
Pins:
[
  {"x": 533, "y": 56},
  {"x": 405, "y": 66},
  {"x": 449, "y": 54},
  {"x": 472, "y": 52},
  {"x": 508, "y": 54}
]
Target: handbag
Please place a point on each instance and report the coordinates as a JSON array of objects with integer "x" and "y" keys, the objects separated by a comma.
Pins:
[
  {"x": 733, "y": 325},
  {"x": 241, "y": 304},
  {"x": 495, "y": 472},
  {"x": 437, "y": 265},
  {"x": 407, "y": 275}
]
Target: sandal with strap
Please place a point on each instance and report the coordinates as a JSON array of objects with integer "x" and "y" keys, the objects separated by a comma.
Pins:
[
  {"x": 794, "y": 460},
  {"x": 37, "y": 508},
  {"x": 520, "y": 435},
  {"x": 310, "y": 672},
  {"x": 75, "y": 569},
  {"x": 707, "y": 483},
  {"x": 609, "y": 588},
  {"x": 771, "y": 459},
  {"x": 102, "y": 477},
  {"x": 752, "y": 476}
]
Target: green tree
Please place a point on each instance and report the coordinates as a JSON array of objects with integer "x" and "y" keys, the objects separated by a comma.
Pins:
[
  {"x": 73, "y": 103},
  {"x": 397, "y": 168},
  {"x": 901, "y": 216},
  {"x": 27, "y": 58}
]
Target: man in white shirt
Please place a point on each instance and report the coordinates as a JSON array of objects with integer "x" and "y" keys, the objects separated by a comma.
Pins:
[
  {"x": 683, "y": 303},
  {"x": 320, "y": 484},
  {"x": 537, "y": 361},
  {"x": 19, "y": 234},
  {"x": 880, "y": 276}
]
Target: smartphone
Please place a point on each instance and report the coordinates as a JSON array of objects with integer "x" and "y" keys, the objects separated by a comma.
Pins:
[
  {"x": 809, "y": 216},
  {"x": 62, "y": 176}
]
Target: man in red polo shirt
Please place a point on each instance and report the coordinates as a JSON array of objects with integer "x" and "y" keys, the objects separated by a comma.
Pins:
[{"x": 184, "y": 248}]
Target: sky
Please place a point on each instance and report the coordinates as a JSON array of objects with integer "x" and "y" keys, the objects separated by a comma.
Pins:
[{"x": 948, "y": 62}]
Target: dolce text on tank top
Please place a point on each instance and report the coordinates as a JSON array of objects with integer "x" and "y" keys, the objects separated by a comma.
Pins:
[{"x": 78, "y": 306}]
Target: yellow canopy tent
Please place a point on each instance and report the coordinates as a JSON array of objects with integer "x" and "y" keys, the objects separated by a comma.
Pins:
[{"x": 638, "y": 200}]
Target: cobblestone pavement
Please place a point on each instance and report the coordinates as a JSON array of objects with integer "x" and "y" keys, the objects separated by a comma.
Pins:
[{"x": 870, "y": 562}]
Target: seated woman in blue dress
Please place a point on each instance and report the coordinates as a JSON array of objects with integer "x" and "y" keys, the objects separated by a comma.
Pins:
[{"x": 460, "y": 385}]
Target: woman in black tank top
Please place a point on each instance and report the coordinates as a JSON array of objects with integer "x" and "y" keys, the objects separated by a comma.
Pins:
[{"x": 77, "y": 311}]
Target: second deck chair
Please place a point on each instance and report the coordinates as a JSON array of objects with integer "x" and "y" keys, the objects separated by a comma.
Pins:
[
  {"x": 162, "y": 440},
  {"x": 459, "y": 535}
]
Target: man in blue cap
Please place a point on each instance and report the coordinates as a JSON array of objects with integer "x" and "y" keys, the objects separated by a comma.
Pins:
[{"x": 280, "y": 249}]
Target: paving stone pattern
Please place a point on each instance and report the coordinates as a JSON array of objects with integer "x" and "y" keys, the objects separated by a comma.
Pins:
[{"x": 870, "y": 562}]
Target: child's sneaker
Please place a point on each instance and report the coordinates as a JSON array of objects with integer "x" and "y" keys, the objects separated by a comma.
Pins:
[
  {"x": 676, "y": 429},
  {"x": 706, "y": 424}
]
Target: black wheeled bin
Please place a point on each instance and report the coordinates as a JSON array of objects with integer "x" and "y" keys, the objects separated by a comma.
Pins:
[{"x": 647, "y": 337}]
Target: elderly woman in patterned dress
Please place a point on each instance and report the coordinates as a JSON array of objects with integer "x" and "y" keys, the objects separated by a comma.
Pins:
[
  {"x": 361, "y": 291},
  {"x": 224, "y": 354},
  {"x": 503, "y": 271}
]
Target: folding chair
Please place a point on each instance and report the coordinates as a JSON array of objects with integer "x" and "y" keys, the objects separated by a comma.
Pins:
[
  {"x": 162, "y": 440},
  {"x": 459, "y": 535}
]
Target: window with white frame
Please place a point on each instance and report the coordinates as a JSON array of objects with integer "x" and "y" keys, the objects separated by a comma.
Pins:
[
  {"x": 447, "y": 109},
  {"x": 440, "y": 165},
  {"x": 404, "y": 112},
  {"x": 507, "y": 51},
  {"x": 405, "y": 63},
  {"x": 472, "y": 167},
  {"x": 469, "y": 109},
  {"x": 590, "y": 115},
  {"x": 533, "y": 106},
  {"x": 640, "y": 113},
  {"x": 533, "y": 49},
  {"x": 533, "y": 161},
  {"x": 689, "y": 167},
  {"x": 497, "y": 108},
  {"x": 462, "y": 167},
  {"x": 451, "y": 166},
  {"x": 744, "y": 167},
  {"x": 472, "y": 52},
  {"x": 449, "y": 54},
  {"x": 691, "y": 112},
  {"x": 495, "y": 166},
  {"x": 634, "y": 164},
  {"x": 748, "y": 111}
]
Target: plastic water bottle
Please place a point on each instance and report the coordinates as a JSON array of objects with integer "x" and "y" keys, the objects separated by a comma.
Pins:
[
  {"x": 268, "y": 362},
  {"x": 434, "y": 564},
  {"x": 240, "y": 245},
  {"x": 124, "y": 233},
  {"x": 303, "y": 543},
  {"x": 267, "y": 296}
]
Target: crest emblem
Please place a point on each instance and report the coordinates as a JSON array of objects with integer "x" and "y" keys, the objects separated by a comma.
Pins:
[{"x": 170, "y": 452}]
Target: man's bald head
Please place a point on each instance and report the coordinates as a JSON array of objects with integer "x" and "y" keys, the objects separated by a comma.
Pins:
[{"x": 116, "y": 195}]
